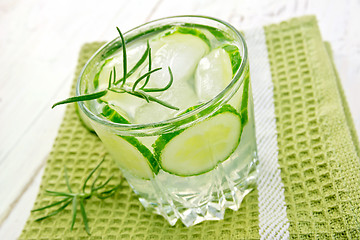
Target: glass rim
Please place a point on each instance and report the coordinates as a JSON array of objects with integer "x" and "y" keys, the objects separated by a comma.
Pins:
[{"x": 144, "y": 126}]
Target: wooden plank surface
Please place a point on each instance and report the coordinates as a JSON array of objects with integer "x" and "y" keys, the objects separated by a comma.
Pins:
[{"x": 39, "y": 44}]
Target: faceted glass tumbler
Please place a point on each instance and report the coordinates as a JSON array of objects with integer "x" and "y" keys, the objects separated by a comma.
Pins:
[{"x": 199, "y": 138}]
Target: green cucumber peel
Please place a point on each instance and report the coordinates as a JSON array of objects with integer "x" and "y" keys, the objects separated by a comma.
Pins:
[
  {"x": 188, "y": 30},
  {"x": 153, "y": 164},
  {"x": 164, "y": 139},
  {"x": 235, "y": 57},
  {"x": 111, "y": 114},
  {"x": 244, "y": 101},
  {"x": 219, "y": 35}
]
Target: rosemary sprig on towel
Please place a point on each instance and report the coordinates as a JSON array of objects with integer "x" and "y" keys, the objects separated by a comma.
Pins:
[{"x": 77, "y": 199}]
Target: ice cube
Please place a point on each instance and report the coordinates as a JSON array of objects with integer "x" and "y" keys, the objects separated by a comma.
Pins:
[
  {"x": 180, "y": 52},
  {"x": 213, "y": 74}
]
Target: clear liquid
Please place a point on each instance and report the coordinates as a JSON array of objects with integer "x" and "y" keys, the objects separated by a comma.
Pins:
[
  {"x": 203, "y": 197},
  {"x": 182, "y": 53},
  {"x": 192, "y": 199}
]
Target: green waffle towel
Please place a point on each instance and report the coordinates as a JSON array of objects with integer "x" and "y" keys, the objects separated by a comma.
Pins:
[{"x": 309, "y": 183}]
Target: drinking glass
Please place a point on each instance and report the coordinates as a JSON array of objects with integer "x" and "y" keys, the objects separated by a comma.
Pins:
[{"x": 197, "y": 163}]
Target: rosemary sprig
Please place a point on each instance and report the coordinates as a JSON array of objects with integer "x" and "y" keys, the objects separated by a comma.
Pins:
[
  {"x": 149, "y": 69},
  {"x": 85, "y": 97},
  {"x": 114, "y": 86},
  {"x": 137, "y": 65},
  {"x": 145, "y": 75},
  {"x": 124, "y": 55},
  {"x": 67, "y": 198},
  {"x": 160, "y": 89}
]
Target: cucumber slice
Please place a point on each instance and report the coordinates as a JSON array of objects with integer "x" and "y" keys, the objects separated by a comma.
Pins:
[
  {"x": 201, "y": 147},
  {"x": 125, "y": 104},
  {"x": 127, "y": 151},
  {"x": 215, "y": 71},
  {"x": 188, "y": 30},
  {"x": 110, "y": 113},
  {"x": 234, "y": 55},
  {"x": 130, "y": 154},
  {"x": 146, "y": 153},
  {"x": 218, "y": 34}
]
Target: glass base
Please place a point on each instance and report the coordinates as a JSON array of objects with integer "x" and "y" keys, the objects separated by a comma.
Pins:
[
  {"x": 191, "y": 216},
  {"x": 205, "y": 201}
]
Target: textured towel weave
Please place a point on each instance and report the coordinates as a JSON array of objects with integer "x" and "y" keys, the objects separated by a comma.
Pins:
[
  {"x": 318, "y": 158},
  {"x": 121, "y": 216},
  {"x": 273, "y": 222}
]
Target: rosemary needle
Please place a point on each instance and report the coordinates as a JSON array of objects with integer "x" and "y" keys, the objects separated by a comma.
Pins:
[
  {"x": 149, "y": 69},
  {"x": 85, "y": 97},
  {"x": 98, "y": 190},
  {"x": 113, "y": 83},
  {"x": 145, "y": 75},
  {"x": 161, "y": 89},
  {"x": 124, "y": 55}
]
